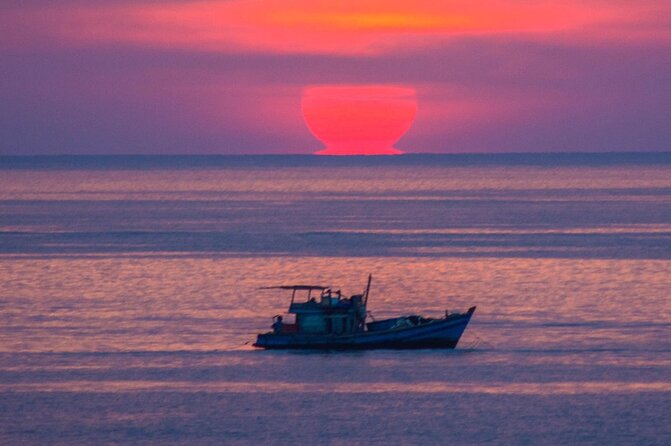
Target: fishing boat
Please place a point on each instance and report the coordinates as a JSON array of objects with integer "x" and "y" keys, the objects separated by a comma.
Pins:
[{"x": 330, "y": 321}]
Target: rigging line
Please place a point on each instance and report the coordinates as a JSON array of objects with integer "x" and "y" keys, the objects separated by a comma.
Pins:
[{"x": 486, "y": 343}]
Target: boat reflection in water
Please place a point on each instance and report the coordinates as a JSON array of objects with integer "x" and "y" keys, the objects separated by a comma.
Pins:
[{"x": 335, "y": 322}]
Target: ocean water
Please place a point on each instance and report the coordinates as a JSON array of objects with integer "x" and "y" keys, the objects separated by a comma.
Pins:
[{"x": 129, "y": 298}]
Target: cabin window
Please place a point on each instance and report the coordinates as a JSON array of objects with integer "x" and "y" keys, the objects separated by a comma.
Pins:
[
  {"x": 338, "y": 324},
  {"x": 312, "y": 323}
]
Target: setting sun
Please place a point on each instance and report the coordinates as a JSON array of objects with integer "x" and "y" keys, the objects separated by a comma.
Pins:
[{"x": 359, "y": 119}]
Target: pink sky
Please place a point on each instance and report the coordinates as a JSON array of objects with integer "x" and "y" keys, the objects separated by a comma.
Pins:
[{"x": 189, "y": 77}]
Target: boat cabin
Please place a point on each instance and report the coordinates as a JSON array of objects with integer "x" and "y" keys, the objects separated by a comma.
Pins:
[{"x": 323, "y": 311}]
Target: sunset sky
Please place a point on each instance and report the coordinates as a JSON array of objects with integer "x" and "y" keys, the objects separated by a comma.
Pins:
[{"x": 236, "y": 76}]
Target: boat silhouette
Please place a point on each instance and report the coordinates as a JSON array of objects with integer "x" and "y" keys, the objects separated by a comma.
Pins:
[{"x": 332, "y": 321}]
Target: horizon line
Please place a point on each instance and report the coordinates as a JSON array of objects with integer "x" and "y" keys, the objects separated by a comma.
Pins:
[{"x": 314, "y": 155}]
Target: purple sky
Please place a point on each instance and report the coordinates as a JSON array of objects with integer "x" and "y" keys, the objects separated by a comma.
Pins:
[{"x": 152, "y": 77}]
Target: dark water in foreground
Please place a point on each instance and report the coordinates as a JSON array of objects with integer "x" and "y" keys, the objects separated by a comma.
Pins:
[{"x": 129, "y": 296}]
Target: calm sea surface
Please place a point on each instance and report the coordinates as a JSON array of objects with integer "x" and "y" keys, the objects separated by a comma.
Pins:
[{"x": 129, "y": 297}]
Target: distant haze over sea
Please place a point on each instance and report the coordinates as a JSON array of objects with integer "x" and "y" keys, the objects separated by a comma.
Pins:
[{"x": 456, "y": 159}]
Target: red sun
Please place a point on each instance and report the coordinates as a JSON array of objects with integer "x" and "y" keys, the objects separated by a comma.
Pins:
[{"x": 359, "y": 119}]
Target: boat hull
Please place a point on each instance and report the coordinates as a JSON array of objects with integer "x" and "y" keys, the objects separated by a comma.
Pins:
[{"x": 439, "y": 333}]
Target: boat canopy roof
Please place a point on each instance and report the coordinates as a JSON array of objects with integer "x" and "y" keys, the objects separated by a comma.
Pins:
[{"x": 295, "y": 287}]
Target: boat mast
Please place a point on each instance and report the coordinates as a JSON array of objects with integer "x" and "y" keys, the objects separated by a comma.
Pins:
[{"x": 365, "y": 294}]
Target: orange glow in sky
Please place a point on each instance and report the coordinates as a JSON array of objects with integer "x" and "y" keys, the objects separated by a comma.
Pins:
[
  {"x": 359, "y": 119},
  {"x": 327, "y": 27}
]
